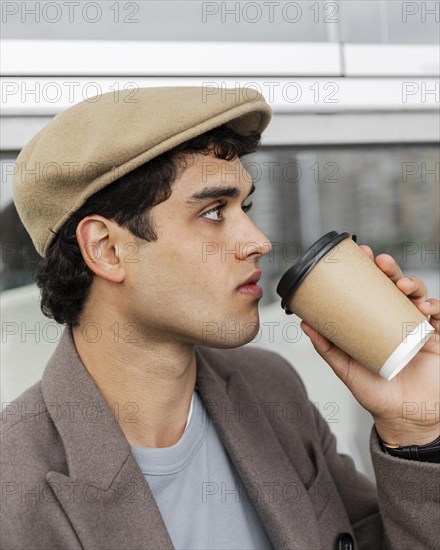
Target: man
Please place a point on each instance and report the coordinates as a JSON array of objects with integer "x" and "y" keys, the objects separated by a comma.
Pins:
[{"x": 132, "y": 439}]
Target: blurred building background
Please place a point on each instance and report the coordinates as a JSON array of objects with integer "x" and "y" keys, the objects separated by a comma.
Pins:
[{"x": 353, "y": 145}]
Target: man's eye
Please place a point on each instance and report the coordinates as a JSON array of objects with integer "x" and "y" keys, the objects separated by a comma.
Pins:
[
  {"x": 216, "y": 210},
  {"x": 247, "y": 207}
]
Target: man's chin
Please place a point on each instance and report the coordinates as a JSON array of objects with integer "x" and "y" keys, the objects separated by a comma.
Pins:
[{"x": 231, "y": 334}]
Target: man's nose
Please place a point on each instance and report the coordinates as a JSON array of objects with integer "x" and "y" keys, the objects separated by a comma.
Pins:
[{"x": 255, "y": 245}]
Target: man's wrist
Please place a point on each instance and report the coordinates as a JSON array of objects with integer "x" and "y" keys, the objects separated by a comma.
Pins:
[
  {"x": 395, "y": 436},
  {"x": 428, "y": 452}
]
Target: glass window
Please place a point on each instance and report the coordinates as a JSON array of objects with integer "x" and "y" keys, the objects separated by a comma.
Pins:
[
  {"x": 352, "y": 21},
  {"x": 18, "y": 255},
  {"x": 388, "y": 196},
  {"x": 303, "y": 21},
  {"x": 389, "y": 22}
]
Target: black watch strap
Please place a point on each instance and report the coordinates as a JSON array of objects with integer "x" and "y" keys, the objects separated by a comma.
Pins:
[{"x": 423, "y": 453}]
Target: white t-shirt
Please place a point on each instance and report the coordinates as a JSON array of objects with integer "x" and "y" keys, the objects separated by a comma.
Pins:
[{"x": 200, "y": 496}]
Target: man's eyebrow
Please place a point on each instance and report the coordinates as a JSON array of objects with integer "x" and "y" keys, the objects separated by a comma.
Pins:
[{"x": 216, "y": 193}]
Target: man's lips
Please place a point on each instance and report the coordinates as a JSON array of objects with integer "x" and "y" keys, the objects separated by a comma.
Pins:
[
  {"x": 250, "y": 286},
  {"x": 252, "y": 280}
]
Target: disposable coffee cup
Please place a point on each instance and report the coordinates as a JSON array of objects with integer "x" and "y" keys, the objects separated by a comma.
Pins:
[{"x": 342, "y": 294}]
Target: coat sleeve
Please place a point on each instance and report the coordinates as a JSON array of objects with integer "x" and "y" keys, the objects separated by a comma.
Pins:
[{"x": 401, "y": 512}]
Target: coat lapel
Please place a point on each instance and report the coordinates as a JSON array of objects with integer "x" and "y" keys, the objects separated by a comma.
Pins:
[{"x": 104, "y": 494}]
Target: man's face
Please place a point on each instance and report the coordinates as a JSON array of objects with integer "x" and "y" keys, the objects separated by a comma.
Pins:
[{"x": 185, "y": 285}]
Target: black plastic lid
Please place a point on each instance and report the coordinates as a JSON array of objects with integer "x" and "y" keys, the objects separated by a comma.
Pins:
[{"x": 295, "y": 275}]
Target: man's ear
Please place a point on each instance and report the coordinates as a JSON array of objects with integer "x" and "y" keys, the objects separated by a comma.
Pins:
[{"x": 100, "y": 241}]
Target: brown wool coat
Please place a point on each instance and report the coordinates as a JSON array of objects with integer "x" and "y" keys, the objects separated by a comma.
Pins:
[{"x": 69, "y": 480}]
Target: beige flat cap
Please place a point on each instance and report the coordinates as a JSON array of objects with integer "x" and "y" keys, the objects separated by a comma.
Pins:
[{"x": 95, "y": 142}]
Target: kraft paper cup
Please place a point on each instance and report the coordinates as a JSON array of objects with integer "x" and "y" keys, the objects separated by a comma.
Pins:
[{"x": 342, "y": 294}]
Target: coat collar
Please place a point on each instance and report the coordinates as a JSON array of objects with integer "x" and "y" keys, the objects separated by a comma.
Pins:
[
  {"x": 93, "y": 441},
  {"x": 109, "y": 485}
]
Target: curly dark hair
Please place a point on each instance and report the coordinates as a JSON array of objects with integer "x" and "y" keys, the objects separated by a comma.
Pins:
[{"x": 63, "y": 276}]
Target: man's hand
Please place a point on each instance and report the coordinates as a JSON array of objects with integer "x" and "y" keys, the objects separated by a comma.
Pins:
[{"x": 406, "y": 409}]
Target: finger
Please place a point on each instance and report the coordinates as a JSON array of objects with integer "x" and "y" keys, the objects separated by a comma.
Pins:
[
  {"x": 432, "y": 307},
  {"x": 389, "y": 266},
  {"x": 368, "y": 251},
  {"x": 341, "y": 363},
  {"x": 414, "y": 288},
  {"x": 318, "y": 340}
]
